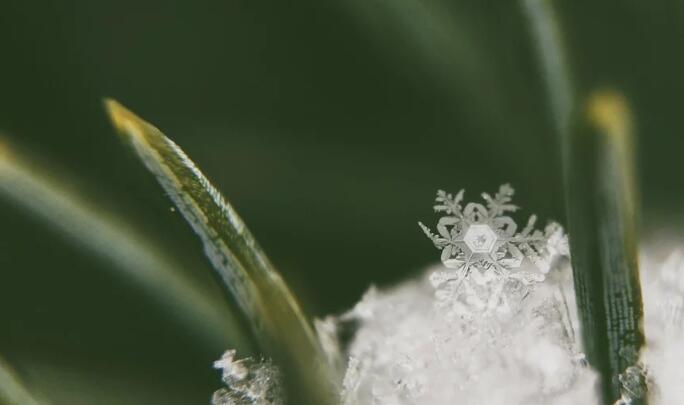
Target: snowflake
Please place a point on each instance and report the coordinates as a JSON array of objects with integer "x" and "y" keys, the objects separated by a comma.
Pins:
[{"x": 482, "y": 243}]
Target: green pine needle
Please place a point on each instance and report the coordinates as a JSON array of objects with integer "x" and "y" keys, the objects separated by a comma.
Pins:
[
  {"x": 34, "y": 188},
  {"x": 12, "y": 390},
  {"x": 603, "y": 237},
  {"x": 246, "y": 273}
]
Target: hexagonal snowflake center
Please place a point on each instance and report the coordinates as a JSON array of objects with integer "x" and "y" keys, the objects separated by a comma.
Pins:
[{"x": 480, "y": 238}]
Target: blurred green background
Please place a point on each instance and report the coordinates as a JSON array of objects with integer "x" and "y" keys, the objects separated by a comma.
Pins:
[{"x": 329, "y": 124}]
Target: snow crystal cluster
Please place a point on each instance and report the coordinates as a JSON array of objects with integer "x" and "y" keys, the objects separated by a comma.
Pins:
[
  {"x": 248, "y": 382},
  {"x": 485, "y": 330},
  {"x": 663, "y": 290},
  {"x": 407, "y": 353},
  {"x": 494, "y": 324}
]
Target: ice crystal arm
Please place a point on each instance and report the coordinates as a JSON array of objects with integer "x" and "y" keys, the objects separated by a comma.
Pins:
[
  {"x": 439, "y": 241},
  {"x": 449, "y": 204},
  {"x": 434, "y": 238},
  {"x": 500, "y": 203},
  {"x": 247, "y": 274},
  {"x": 530, "y": 226}
]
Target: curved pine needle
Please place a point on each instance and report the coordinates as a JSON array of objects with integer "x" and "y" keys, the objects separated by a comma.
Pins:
[
  {"x": 553, "y": 62},
  {"x": 30, "y": 188},
  {"x": 246, "y": 273},
  {"x": 12, "y": 390}
]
